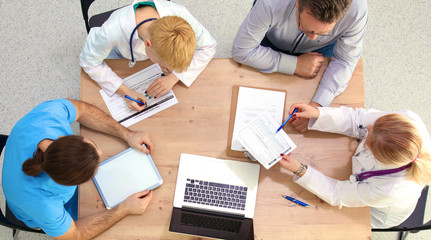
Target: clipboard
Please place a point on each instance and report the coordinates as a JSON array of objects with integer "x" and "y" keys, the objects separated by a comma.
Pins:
[{"x": 233, "y": 111}]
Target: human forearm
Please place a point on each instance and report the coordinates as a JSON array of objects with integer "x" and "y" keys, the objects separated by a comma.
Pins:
[
  {"x": 103, "y": 75},
  {"x": 92, "y": 226},
  {"x": 247, "y": 48},
  {"x": 96, "y": 49},
  {"x": 334, "y": 81},
  {"x": 341, "y": 120},
  {"x": 94, "y": 118},
  {"x": 326, "y": 188}
]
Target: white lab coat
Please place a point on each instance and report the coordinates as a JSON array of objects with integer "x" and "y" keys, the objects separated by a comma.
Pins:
[
  {"x": 391, "y": 198},
  {"x": 114, "y": 36}
]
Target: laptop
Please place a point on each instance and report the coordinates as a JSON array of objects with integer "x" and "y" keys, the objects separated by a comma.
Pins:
[{"x": 215, "y": 198}]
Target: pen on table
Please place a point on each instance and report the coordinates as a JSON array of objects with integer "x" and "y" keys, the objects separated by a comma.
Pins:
[
  {"x": 295, "y": 201},
  {"x": 282, "y": 125},
  {"x": 135, "y": 100}
]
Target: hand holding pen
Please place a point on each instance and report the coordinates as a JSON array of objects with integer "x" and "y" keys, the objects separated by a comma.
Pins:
[
  {"x": 284, "y": 123},
  {"x": 137, "y": 102},
  {"x": 141, "y": 106},
  {"x": 303, "y": 110}
]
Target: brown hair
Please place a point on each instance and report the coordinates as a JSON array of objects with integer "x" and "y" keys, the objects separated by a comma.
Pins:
[
  {"x": 395, "y": 140},
  {"x": 174, "y": 41},
  {"x": 68, "y": 161},
  {"x": 327, "y": 11}
]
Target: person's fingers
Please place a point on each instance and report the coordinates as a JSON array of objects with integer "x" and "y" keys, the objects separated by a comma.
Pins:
[
  {"x": 143, "y": 100},
  {"x": 161, "y": 93},
  {"x": 141, "y": 141},
  {"x": 148, "y": 195},
  {"x": 300, "y": 125},
  {"x": 154, "y": 90},
  {"x": 142, "y": 194},
  {"x": 321, "y": 58},
  {"x": 157, "y": 93},
  {"x": 149, "y": 145},
  {"x": 292, "y": 119},
  {"x": 303, "y": 127},
  {"x": 293, "y": 106},
  {"x": 152, "y": 85},
  {"x": 295, "y": 123},
  {"x": 142, "y": 149},
  {"x": 135, "y": 106},
  {"x": 299, "y": 115}
]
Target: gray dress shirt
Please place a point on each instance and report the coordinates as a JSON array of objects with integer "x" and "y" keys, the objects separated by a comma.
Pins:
[{"x": 277, "y": 20}]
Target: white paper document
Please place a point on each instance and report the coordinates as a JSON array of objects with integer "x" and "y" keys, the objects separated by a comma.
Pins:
[
  {"x": 138, "y": 82},
  {"x": 252, "y": 102},
  {"x": 259, "y": 138}
]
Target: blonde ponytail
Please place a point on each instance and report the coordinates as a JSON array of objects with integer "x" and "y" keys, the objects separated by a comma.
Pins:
[
  {"x": 395, "y": 140},
  {"x": 420, "y": 169}
]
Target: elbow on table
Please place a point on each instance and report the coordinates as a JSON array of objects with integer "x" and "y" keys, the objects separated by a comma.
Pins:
[{"x": 239, "y": 55}]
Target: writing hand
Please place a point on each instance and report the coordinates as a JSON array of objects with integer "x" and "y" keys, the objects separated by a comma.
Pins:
[
  {"x": 301, "y": 118},
  {"x": 124, "y": 90}
]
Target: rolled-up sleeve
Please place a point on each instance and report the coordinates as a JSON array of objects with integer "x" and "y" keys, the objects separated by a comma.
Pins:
[
  {"x": 347, "y": 51},
  {"x": 343, "y": 120},
  {"x": 246, "y": 47},
  {"x": 96, "y": 49},
  {"x": 345, "y": 193}
]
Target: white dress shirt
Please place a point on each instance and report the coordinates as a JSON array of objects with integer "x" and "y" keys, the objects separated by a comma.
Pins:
[
  {"x": 277, "y": 20},
  {"x": 391, "y": 198},
  {"x": 114, "y": 36}
]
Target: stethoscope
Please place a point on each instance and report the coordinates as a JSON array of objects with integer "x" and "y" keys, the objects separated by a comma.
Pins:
[{"x": 133, "y": 62}]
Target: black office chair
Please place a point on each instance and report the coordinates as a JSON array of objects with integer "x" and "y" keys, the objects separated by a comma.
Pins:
[
  {"x": 9, "y": 220},
  {"x": 415, "y": 222},
  {"x": 96, "y": 20}
]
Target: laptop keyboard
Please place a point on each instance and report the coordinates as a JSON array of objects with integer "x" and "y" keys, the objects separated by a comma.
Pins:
[
  {"x": 210, "y": 222},
  {"x": 215, "y": 194}
]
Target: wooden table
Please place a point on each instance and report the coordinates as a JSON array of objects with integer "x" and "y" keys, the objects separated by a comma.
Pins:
[{"x": 198, "y": 124}]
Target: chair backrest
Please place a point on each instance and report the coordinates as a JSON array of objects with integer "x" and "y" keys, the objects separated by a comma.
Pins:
[
  {"x": 414, "y": 223},
  {"x": 5, "y": 222},
  {"x": 85, "y": 5},
  {"x": 3, "y": 139},
  {"x": 96, "y": 20}
]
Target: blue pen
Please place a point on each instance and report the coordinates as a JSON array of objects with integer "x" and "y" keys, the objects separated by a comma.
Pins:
[
  {"x": 295, "y": 201},
  {"x": 135, "y": 100},
  {"x": 282, "y": 125}
]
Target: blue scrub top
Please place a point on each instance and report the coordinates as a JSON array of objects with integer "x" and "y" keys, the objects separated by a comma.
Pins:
[{"x": 38, "y": 201}]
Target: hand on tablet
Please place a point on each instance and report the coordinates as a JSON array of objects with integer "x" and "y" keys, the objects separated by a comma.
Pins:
[
  {"x": 137, "y": 203},
  {"x": 137, "y": 139}
]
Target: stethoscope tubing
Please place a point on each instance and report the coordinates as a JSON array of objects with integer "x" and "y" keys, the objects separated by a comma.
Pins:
[{"x": 132, "y": 62}]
